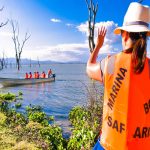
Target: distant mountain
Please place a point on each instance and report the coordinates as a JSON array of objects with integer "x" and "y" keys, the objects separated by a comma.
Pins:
[{"x": 26, "y": 61}]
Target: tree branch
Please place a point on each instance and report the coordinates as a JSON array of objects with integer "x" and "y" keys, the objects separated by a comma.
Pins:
[
  {"x": 24, "y": 41},
  {"x": 18, "y": 46},
  {"x": 3, "y": 24}
]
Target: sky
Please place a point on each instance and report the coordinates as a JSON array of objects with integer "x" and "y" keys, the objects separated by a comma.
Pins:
[{"x": 58, "y": 28}]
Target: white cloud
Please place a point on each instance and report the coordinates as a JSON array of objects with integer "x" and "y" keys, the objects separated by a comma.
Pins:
[
  {"x": 83, "y": 27},
  {"x": 110, "y": 40},
  {"x": 70, "y": 25},
  {"x": 6, "y": 34},
  {"x": 110, "y": 36},
  {"x": 112, "y": 43},
  {"x": 66, "y": 51},
  {"x": 61, "y": 52},
  {"x": 55, "y": 20},
  {"x": 68, "y": 47}
]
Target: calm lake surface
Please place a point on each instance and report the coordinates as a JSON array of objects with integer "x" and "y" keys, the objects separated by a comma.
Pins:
[{"x": 56, "y": 98}]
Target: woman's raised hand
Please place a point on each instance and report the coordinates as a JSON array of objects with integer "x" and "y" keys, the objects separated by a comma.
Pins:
[
  {"x": 101, "y": 35},
  {"x": 93, "y": 67}
]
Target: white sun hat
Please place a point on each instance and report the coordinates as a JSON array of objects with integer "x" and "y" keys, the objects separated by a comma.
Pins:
[{"x": 137, "y": 19}]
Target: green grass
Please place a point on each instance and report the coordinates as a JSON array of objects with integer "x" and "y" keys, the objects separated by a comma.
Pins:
[{"x": 9, "y": 141}]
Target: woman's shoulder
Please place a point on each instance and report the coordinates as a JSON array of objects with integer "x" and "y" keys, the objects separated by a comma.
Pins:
[{"x": 109, "y": 62}]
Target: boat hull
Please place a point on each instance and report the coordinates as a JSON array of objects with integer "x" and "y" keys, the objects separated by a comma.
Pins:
[{"x": 6, "y": 82}]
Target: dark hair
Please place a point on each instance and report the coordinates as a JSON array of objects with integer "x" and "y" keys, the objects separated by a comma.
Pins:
[{"x": 138, "y": 50}]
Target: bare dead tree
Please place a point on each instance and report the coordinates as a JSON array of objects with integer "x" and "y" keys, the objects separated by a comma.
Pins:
[
  {"x": 95, "y": 99},
  {"x": 18, "y": 45},
  {"x": 92, "y": 8},
  {"x": 3, "y": 23}
]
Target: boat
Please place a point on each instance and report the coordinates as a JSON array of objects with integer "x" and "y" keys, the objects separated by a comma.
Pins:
[{"x": 6, "y": 82}]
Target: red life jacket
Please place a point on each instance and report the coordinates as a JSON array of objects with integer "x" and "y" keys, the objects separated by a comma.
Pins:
[
  {"x": 30, "y": 76},
  {"x": 38, "y": 75},
  {"x": 35, "y": 75},
  {"x": 43, "y": 75},
  {"x": 26, "y": 76}
]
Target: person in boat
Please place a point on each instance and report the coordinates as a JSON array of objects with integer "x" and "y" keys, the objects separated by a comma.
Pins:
[
  {"x": 26, "y": 76},
  {"x": 37, "y": 75},
  {"x": 43, "y": 75},
  {"x": 126, "y": 79},
  {"x": 49, "y": 74},
  {"x": 30, "y": 75}
]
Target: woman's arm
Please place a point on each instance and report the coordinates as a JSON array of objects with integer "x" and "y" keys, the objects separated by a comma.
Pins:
[{"x": 93, "y": 67}]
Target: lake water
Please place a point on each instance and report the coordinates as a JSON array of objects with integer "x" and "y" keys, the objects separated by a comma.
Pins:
[{"x": 56, "y": 98}]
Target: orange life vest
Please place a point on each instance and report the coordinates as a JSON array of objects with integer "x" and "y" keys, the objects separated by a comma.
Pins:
[
  {"x": 30, "y": 76},
  {"x": 43, "y": 75},
  {"x": 35, "y": 75},
  {"x": 126, "y": 111},
  {"x": 38, "y": 75},
  {"x": 49, "y": 72}
]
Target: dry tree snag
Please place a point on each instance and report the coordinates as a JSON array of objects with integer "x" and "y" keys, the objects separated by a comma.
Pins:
[
  {"x": 91, "y": 22},
  {"x": 18, "y": 45}
]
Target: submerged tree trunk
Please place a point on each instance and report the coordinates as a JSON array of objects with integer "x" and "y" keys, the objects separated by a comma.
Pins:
[{"x": 38, "y": 62}]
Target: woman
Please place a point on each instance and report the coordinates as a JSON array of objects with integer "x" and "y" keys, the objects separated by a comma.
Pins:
[{"x": 126, "y": 78}]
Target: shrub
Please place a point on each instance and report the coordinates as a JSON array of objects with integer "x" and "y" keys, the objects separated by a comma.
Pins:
[
  {"x": 8, "y": 97},
  {"x": 14, "y": 118},
  {"x": 36, "y": 114},
  {"x": 84, "y": 133},
  {"x": 53, "y": 136},
  {"x": 18, "y": 105},
  {"x": 86, "y": 121},
  {"x": 39, "y": 117},
  {"x": 5, "y": 100}
]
